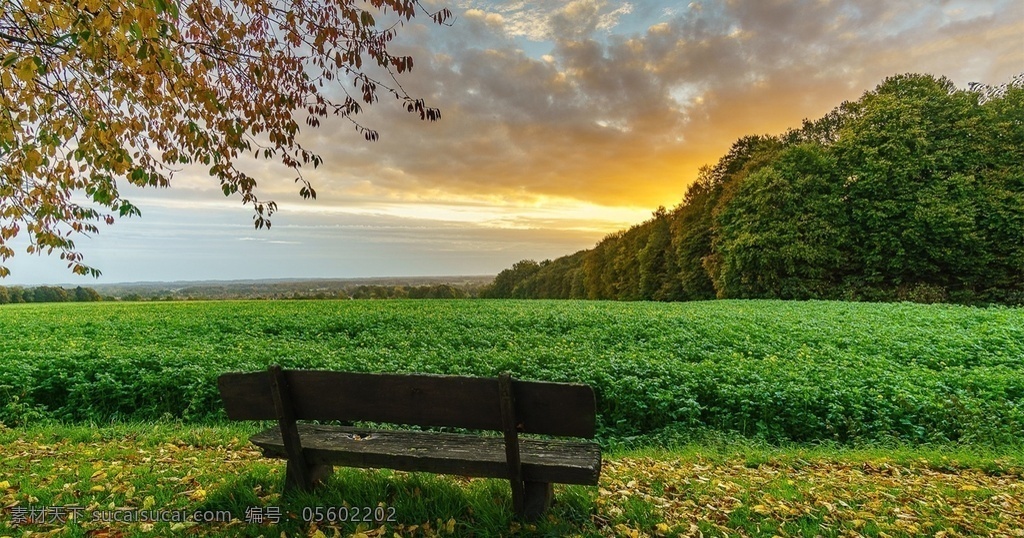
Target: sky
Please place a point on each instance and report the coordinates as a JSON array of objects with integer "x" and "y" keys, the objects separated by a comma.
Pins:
[{"x": 561, "y": 122}]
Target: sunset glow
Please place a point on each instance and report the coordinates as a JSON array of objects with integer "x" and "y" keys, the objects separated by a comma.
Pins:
[{"x": 561, "y": 123}]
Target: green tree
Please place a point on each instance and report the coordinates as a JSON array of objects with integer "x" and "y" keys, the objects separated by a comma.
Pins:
[
  {"x": 782, "y": 235},
  {"x": 691, "y": 237},
  {"x": 85, "y": 295},
  {"x": 444, "y": 291},
  {"x": 49, "y": 294},
  {"x": 1000, "y": 215},
  {"x": 909, "y": 154},
  {"x": 746, "y": 156},
  {"x": 505, "y": 284},
  {"x": 99, "y": 94},
  {"x": 597, "y": 269},
  {"x": 659, "y": 272},
  {"x": 557, "y": 278},
  {"x": 5, "y": 297},
  {"x": 626, "y": 263}
]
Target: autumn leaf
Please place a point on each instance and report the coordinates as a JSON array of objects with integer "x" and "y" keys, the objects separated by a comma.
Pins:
[{"x": 103, "y": 533}]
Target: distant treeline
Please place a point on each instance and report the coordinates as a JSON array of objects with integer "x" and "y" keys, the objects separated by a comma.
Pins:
[
  {"x": 48, "y": 294},
  {"x": 436, "y": 291},
  {"x": 914, "y": 192},
  {"x": 431, "y": 287},
  {"x": 51, "y": 294}
]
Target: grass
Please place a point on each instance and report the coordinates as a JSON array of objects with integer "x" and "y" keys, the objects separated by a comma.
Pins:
[
  {"x": 721, "y": 487},
  {"x": 731, "y": 418}
]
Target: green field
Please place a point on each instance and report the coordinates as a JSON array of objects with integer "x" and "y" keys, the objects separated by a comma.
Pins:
[{"x": 851, "y": 373}]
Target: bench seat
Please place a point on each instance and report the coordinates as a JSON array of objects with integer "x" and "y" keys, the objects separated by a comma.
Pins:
[
  {"x": 543, "y": 460},
  {"x": 528, "y": 415}
]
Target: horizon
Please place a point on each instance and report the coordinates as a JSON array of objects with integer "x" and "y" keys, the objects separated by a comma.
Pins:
[
  {"x": 561, "y": 123},
  {"x": 446, "y": 279}
]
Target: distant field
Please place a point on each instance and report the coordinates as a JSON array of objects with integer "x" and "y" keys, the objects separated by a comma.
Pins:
[{"x": 781, "y": 371}]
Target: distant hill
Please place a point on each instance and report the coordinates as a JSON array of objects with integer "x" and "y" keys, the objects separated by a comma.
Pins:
[
  {"x": 439, "y": 287},
  {"x": 344, "y": 288}
]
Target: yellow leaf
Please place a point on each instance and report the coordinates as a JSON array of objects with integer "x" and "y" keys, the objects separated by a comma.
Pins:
[
  {"x": 32, "y": 160},
  {"x": 97, "y": 488},
  {"x": 148, "y": 502},
  {"x": 450, "y": 527},
  {"x": 5, "y": 484},
  {"x": 762, "y": 509},
  {"x": 26, "y": 70},
  {"x": 318, "y": 534},
  {"x": 102, "y": 22}
]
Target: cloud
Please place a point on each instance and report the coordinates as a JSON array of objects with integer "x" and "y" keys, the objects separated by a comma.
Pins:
[
  {"x": 628, "y": 118},
  {"x": 495, "y": 20},
  {"x": 172, "y": 244},
  {"x": 560, "y": 122},
  {"x": 611, "y": 113},
  {"x": 544, "y": 20}
]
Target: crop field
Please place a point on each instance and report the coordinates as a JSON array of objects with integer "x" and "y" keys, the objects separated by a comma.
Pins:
[{"x": 777, "y": 371}]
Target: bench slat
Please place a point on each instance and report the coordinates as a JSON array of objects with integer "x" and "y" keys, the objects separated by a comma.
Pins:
[
  {"x": 564, "y": 409},
  {"x": 564, "y": 462}
]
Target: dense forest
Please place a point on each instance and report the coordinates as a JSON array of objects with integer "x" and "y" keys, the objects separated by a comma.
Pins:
[
  {"x": 48, "y": 294},
  {"x": 913, "y": 192}
]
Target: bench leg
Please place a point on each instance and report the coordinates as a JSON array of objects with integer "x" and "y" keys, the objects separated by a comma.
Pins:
[
  {"x": 314, "y": 475},
  {"x": 537, "y": 499}
]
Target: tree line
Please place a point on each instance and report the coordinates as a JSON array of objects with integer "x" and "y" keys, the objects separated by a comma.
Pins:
[
  {"x": 913, "y": 192},
  {"x": 47, "y": 294},
  {"x": 329, "y": 290}
]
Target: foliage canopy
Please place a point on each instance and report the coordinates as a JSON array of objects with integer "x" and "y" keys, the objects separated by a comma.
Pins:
[
  {"x": 913, "y": 192},
  {"x": 94, "y": 94}
]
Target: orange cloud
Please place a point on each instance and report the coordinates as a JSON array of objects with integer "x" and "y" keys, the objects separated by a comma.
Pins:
[{"x": 601, "y": 118}]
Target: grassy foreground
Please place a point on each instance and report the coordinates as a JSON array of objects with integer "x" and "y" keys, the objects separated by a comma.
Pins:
[{"x": 717, "y": 488}]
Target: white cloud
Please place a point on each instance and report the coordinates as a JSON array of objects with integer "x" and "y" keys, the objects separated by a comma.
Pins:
[{"x": 608, "y": 21}]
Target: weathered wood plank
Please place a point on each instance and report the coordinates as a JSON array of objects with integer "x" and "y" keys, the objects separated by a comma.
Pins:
[
  {"x": 511, "y": 434},
  {"x": 563, "y": 462},
  {"x": 563, "y": 409},
  {"x": 537, "y": 499},
  {"x": 299, "y": 474}
]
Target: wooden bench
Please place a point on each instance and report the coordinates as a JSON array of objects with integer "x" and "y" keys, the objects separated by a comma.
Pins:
[{"x": 500, "y": 404}]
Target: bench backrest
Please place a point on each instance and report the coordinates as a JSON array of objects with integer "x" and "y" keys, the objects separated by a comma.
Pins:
[{"x": 560, "y": 409}]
